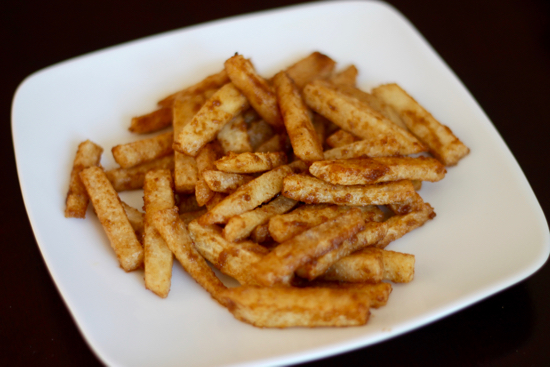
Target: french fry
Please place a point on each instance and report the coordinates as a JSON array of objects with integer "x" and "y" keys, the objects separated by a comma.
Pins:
[
  {"x": 141, "y": 151},
  {"x": 175, "y": 235},
  {"x": 354, "y": 116},
  {"x": 206, "y": 159},
  {"x": 233, "y": 259},
  {"x": 216, "y": 199},
  {"x": 348, "y": 76},
  {"x": 87, "y": 155},
  {"x": 158, "y": 259},
  {"x": 136, "y": 219},
  {"x": 188, "y": 217},
  {"x": 260, "y": 234},
  {"x": 383, "y": 147},
  {"x": 373, "y": 232},
  {"x": 132, "y": 178},
  {"x": 151, "y": 122},
  {"x": 311, "y": 190},
  {"x": 399, "y": 225},
  {"x": 213, "y": 81},
  {"x": 442, "y": 143},
  {"x": 314, "y": 66},
  {"x": 364, "y": 171},
  {"x": 297, "y": 120},
  {"x": 256, "y": 89},
  {"x": 410, "y": 204},
  {"x": 110, "y": 213},
  {"x": 277, "y": 143},
  {"x": 248, "y": 196},
  {"x": 250, "y": 162},
  {"x": 240, "y": 226},
  {"x": 233, "y": 137},
  {"x": 279, "y": 265},
  {"x": 259, "y": 132},
  {"x": 378, "y": 293},
  {"x": 341, "y": 138},
  {"x": 225, "y": 182},
  {"x": 282, "y": 307},
  {"x": 221, "y": 108},
  {"x": 188, "y": 203},
  {"x": 285, "y": 226}
]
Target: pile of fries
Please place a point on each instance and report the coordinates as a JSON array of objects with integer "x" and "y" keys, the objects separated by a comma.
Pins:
[{"x": 292, "y": 185}]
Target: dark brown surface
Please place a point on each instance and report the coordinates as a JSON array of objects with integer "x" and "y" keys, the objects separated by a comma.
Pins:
[{"x": 499, "y": 49}]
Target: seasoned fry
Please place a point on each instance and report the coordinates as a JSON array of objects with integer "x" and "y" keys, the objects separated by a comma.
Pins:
[
  {"x": 233, "y": 259},
  {"x": 277, "y": 143},
  {"x": 233, "y": 137},
  {"x": 221, "y": 108},
  {"x": 240, "y": 226},
  {"x": 355, "y": 117},
  {"x": 383, "y": 147},
  {"x": 206, "y": 159},
  {"x": 136, "y": 219},
  {"x": 256, "y": 89},
  {"x": 151, "y": 122},
  {"x": 341, "y": 138},
  {"x": 285, "y": 226},
  {"x": 250, "y": 162},
  {"x": 87, "y": 155},
  {"x": 260, "y": 234},
  {"x": 314, "y": 66},
  {"x": 110, "y": 213},
  {"x": 214, "y": 81},
  {"x": 311, "y": 190},
  {"x": 443, "y": 144},
  {"x": 188, "y": 203},
  {"x": 282, "y": 307},
  {"x": 259, "y": 132},
  {"x": 216, "y": 199},
  {"x": 175, "y": 234},
  {"x": 399, "y": 225},
  {"x": 158, "y": 259},
  {"x": 248, "y": 196},
  {"x": 279, "y": 265},
  {"x": 410, "y": 204},
  {"x": 124, "y": 179},
  {"x": 219, "y": 181},
  {"x": 364, "y": 171},
  {"x": 378, "y": 293},
  {"x": 141, "y": 151},
  {"x": 348, "y": 76},
  {"x": 297, "y": 120}
]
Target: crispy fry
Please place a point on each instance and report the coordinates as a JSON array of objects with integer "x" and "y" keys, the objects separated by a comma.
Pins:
[
  {"x": 233, "y": 137},
  {"x": 221, "y": 108},
  {"x": 151, "y": 122},
  {"x": 233, "y": 259},
  {"x": 259, "y": 132},
  {"x": 284, "y": 227},
  {"x": 225, "y": 182},
  {"x": 250, "y": 162},
  {"x": 297, "y": 120},
  {"x": 141, "y": 151},
  {"x": 256, "y": 89},
  {"x": 175, "y": 234},
  {"x": 240, "y": 226},
  {"x": 314, "y": 66},
  {"x": 311, "y": 190},
  {"x": 341, "y": 138},
  {"x": 260, "y": 234},
  {"x": 277, "y": 143},
  {"x": 214, "y": 81},
  {"x": 216, "y": 199},
  {"x": 124, "y": 179},
  {"x": 248, "y": 196},
  {"x": 348, "y": 76},
  {"x": 412, "y": 203},
  {"x": 188, "y": 217},
  {"x": 399, "y": 225},
  {"x": 158, "y": 259},
  {"x": 378, "y": 293},
  {"x": 279, "y": 265},
  {"x": 136, "y": 219},
  {"x": 282, "y": 307},
  {"x": 188, "y": 203},
  {"x": 87, "y": 155},
  {"x": 368, "y": 148},
  {"x": 113, "y": 218},
  {"x": 206, "y": 159},
  {"x": 443, "y": 144}
]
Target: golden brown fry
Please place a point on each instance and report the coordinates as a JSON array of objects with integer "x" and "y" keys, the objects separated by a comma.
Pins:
[
  {"x": 206, "y": 159},
  {"x": 256, "y": 89},
  {"x": 341, "y": 138},
  {"x": 158, "y": 259},
  {"x": 174, "y": 232},
  {"x": 311, "y": 190},
  {"x": 314, "y": 66},
  {"x": 383, "y": 147},
  {"x": 233, "y": 259},
  {"x": 233, "y": 137},
  {"x": 88, "y": 154},
  {"x": 373, "y": 232},
  {"x": 151, "y": 122},
  {"x": 259, "y": 132},
  {"x": 279, "y": 265},
  {"x": 188, "y": 217},
  {"x": 297, "y": 120},
  {"x": 282, "y": 307},
  {"x": 277, "y": 143},
  {"x": 410, "y": 204},
  {"x": 443, "y": 144},
  {"x": 354, "y": 116},
  {"x": 221, "y": 108},
  {"x": 113, "y": 218},
  {"x": 216, "y": 199},
  {"x": 250, "y": 162},
  {"x": 260, "y": 234},
  {"x": 141, "y": 151},
  {"x": 219, "y": 181},
  {"x": 136, "y": 219},
  {"x": 124, "y": 179},
  {"x": 348, "y": 76},
  {"x": 214, "y": 81},
  {"x": 284, "y": 227},
  {"x": 188, "y": 203},
  {"x": 183, "y": 110},
  {"x": 364, "y": 171},
  {"x": 240, "y": 226},
  {"x": 378, "y": 293},
  {"x": 248, "y": 196},
  {"x": 399, "y": 225}
]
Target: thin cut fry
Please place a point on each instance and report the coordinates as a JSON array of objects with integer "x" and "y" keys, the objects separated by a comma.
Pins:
[
  {"x": 132, "y": 178},
  {"x": 219, "y": 181},
  {"x": 214, "y": 81},
  {"x": 383, "y": 147},
  {"x": 277, "y": 143},
  {"x": 206, "y": 159},
  {"x": 341, "y": 138},
  {"x": 136, "y": 219},
  {"x": 141, "y": 151},
  {"x": 399, "y": 225},
  {"x": 314, "y": 66},
  {"x": 250, "y": 162},
  {"x": 151, "y": 122},
  {"x": 378, "y": 293},
  {"x": 233, "y": 137},
  {"x": 348, "y": 76},
  {"x": 259, "y": 132}
]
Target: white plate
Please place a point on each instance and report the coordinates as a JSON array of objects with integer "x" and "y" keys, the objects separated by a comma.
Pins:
[{"x": 489, "y": 232}]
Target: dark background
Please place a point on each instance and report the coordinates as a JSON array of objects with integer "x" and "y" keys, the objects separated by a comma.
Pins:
[{"x": 499, "y": 49}]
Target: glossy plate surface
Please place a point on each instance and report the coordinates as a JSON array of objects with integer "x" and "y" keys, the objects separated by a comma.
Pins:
[{"x": 489, "y": 232}]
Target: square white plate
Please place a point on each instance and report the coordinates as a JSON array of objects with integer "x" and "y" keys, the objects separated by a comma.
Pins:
[{"x": 489, "y": 233}]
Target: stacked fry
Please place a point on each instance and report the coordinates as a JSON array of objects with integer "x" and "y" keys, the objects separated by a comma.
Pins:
[{"x": 292, "y": 185}]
